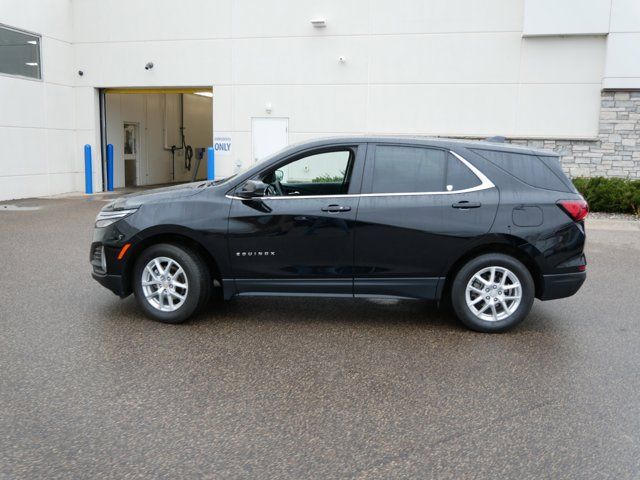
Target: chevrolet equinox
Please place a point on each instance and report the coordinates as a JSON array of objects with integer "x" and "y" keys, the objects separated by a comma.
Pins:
[{"x": 484, "y": 227}]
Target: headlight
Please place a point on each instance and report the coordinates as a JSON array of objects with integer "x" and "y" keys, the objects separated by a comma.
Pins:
[{"x": 104, "y": 219}]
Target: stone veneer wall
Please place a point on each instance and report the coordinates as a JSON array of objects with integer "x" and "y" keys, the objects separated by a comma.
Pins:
[{"x": 616, "y": 153}]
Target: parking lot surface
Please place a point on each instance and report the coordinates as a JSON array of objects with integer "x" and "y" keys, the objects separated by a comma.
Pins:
[{"x": 307, "y": 388}]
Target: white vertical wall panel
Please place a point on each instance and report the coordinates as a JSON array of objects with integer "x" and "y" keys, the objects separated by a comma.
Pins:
[
  {"x": 57, "y": 61},
  {"x": 566, "y": 17},
  {"x": 270, "y": 18},
  {"x": 311, "y": 108},
  {"x": 24, "y": 186},
  {"x": 60, "y": 153},
  {"x": 300, "y": 60},
  {"x": 625, "y": 16},
  {"x": 183, "y": 63},
  {"x": 59, "y": 106},
  {"x": 223, "y": 108},
  {"x": 558, "y": 111},
  {"x": 86, "y": 116},
  {"x": 37, "y": 117},
  {"x": 87, "y": 132},
  {"x": 24, "y": 152},
  {"x": 49, "y": 18},
  {"x": 442, "y": 109},
  {"x": 21, "y": 103},
  {"x": 147, "y": 20},
  {"x": 621, "y": 71},
  {"x": 622, "y": 68},
  {"x": 454, "y": 16},
  {"x": 563, "y": 60},
  {"x": 445, "y": 58}
]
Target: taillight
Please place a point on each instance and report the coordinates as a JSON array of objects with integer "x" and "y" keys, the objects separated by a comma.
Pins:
[{"x": 576, "y": 209}]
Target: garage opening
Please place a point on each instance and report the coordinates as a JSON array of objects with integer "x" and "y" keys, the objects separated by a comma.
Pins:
[{"x": 159, "y": 135}]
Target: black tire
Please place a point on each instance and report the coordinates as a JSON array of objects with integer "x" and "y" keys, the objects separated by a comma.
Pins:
[
  {"x": 195, "y": 271},
  {"x": 465, "y": 274}
]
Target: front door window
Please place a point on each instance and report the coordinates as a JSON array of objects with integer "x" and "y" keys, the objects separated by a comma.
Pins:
[{"x": 325, "y": 173}]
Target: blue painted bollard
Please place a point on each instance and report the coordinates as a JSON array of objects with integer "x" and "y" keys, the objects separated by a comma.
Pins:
[
  {"x": 88, "y": 173},
  {"x": 211, "y": 164},
  {"x": 110, "y": 168}
]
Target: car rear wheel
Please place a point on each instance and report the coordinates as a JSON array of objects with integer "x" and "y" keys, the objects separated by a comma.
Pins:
[
  {"x": 492, "y": 293},
  {"x": 170, "y": 283}
]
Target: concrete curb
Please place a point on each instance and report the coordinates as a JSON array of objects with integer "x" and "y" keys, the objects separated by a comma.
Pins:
[{"x": 611, "y": 224}]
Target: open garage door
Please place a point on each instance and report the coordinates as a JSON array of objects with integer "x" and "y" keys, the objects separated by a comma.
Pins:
[{"x": 159, "y": 135}]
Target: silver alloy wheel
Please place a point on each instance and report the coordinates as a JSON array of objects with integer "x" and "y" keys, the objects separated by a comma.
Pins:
[
  {"x": 493, "y": 293},
  {"x": 164, "y": 284}
]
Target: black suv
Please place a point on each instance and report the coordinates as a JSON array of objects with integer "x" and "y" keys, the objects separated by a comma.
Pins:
[{"x": 483, "y": 226}]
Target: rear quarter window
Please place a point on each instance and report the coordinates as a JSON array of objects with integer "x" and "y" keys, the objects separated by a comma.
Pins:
[
  {"x": 459, "y": 177},
  {"x": 529, "y": 169}
]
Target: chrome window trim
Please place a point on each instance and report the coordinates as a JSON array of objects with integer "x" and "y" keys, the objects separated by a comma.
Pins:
[{"x": 485, "y": 184}]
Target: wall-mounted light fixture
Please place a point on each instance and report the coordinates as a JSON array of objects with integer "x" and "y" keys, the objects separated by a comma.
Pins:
[
  {"x": 268, "y": 107},
  {"x": 319, "y": 23},
  {"x": 148, "y": 66}
]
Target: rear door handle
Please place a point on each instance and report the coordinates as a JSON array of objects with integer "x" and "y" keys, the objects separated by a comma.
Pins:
[
  {"x": 336, "y": 208},
  {"x": 466, "y": 204}
]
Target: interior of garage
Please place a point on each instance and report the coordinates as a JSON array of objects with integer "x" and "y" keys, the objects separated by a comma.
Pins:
[{"x": 159, "y": 136}]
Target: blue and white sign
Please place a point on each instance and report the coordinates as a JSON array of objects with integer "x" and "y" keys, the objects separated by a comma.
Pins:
[{"x": 222, "y": 143}]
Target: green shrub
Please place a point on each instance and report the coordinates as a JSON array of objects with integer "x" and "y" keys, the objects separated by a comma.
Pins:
[
  {"x": 326, "y": 178},
  {"x": 615, "y": 195}
]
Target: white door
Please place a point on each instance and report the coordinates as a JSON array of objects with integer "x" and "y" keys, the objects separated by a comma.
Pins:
[
  {"x": 130, "y": 154},
  {"x": 268, "y": 135}
]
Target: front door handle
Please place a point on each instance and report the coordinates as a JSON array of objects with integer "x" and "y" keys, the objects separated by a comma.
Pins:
[
  {"x": 466, "y": 204},
  {"x": 336, "y": 208}
]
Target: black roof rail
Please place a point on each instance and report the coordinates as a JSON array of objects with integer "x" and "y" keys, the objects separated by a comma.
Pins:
[{"x": 496, "y": 139}]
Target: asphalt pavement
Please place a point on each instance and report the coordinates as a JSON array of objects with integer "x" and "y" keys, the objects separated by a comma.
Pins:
[{"x": 307, "y": 388}]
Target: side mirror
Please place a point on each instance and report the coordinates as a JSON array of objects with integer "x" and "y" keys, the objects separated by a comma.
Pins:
[
  {"x": 252, "y": 189},
  {"x": 279, "y": 175}
]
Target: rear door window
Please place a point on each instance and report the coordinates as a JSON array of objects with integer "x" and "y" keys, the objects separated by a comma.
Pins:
[
  {"x": 529, "y": 169},
  {"x": 400, "y": 169}
]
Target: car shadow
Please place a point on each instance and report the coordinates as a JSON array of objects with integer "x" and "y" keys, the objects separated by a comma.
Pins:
[{"x": 299, "y": 311}]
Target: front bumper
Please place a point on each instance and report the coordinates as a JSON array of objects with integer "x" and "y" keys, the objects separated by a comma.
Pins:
[
  {"x": 561, "y": 285},
  {"x": 112, "y": 282},
  {"x": 106, "y": 268}
]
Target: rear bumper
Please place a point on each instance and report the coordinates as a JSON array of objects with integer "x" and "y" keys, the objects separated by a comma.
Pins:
[
  {"x": 112, "y": 282},
  {"x": 561, "y": 285}
]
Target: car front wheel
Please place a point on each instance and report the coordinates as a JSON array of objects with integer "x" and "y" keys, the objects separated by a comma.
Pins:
[
  {"x": 492, "y": 293},
  {"x": 170, "y": 283}
]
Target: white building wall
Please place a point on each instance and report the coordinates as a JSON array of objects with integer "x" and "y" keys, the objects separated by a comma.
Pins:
[
  {"x": 442, "y": 67},
  {"x": 567, "y": 17},
  {"x": 435, "y": 68},
  {"x": 623, "y": 46},
  {"x": 41, "y": 154}
]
